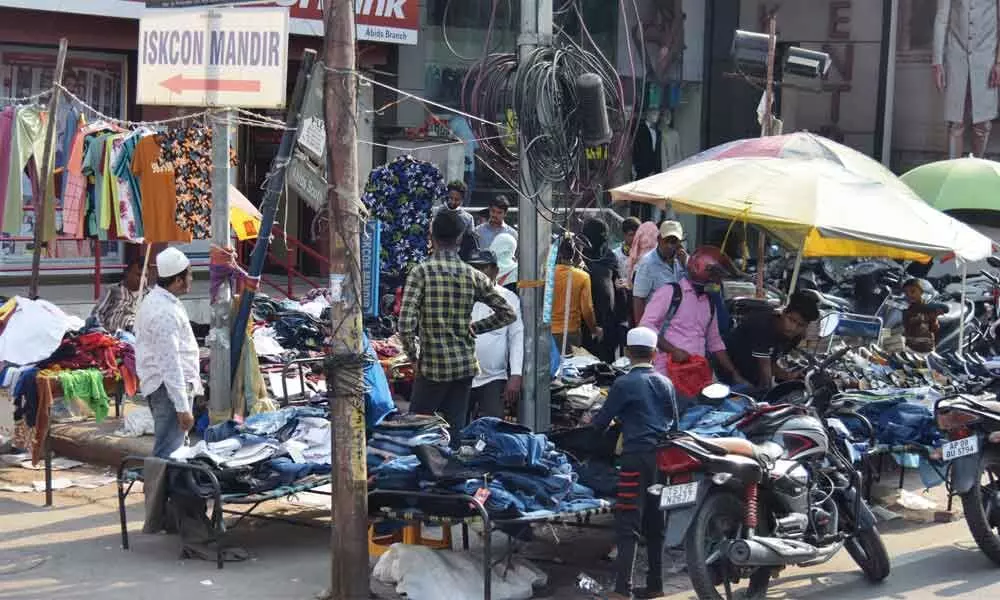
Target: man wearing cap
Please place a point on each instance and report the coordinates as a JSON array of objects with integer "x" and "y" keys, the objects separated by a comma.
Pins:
[
  {"x": 500, "y": 352},
  {"x": 643, "y": 401},
  {"x": 663, "y": 265},
  {"x": 166, "y": 353}
]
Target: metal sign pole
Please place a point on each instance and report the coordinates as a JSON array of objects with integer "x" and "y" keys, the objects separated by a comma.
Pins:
[{"x": 220, "y": 384}]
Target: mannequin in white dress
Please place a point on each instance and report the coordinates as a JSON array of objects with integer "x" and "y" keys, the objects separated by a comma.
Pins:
[{"x": 670, "y": 147}]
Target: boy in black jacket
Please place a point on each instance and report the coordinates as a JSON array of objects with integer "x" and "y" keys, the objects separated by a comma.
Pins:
[{"x": 643, "y": 401}]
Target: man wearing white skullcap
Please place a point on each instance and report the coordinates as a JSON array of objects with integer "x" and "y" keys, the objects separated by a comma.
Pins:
[
  {"x": 166, "y": 353},
  {"x": 643, "y": 402}
]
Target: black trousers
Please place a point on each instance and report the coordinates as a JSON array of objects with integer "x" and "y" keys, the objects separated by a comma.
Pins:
[
  {"x": 487, "y": 400},
  {"x": 450, "y": 399},
  {"x": 637, "y": 514}
]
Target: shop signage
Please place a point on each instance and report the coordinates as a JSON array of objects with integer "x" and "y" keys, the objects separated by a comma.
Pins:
[
  {"x": 189, "y": 3},
  {"x": 306, "y": 180},
  {"x": 386, "y": 21},
  {"x": 215, "y": 57}
]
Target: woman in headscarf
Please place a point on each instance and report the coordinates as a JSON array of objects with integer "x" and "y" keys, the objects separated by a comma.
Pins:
[
  {"x": 603, "y": 267},
  {"x": 646, "y": 239},
  {"x": 505, "y": 247}
]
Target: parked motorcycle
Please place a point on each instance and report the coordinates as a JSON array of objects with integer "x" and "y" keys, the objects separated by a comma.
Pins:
[
  {"x": 972, "y": 453},
  {"x": 746, "y": 508}
]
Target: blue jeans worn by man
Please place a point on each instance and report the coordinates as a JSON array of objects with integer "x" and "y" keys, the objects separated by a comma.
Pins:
[{"x": 167, "y": 430}]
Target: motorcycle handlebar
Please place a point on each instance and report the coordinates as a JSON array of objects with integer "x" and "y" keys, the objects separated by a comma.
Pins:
[{"x": 839, "y": 354}]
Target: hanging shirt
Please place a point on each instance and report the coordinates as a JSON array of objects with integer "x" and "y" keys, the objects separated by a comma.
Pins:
[
  {"x": 125, "y": 206},
  {"x": 190, "y": 152},
  {"x": 581, "y": 302},
  {"x": 159, "y": 194},
  {"x": 27, "y": 130},
  {"x": 74, "y": 191},
  {"x": 166, "y": 352},
  {"x": 6, "y": 135},
  {"x": 93, "y": 160},
  {"x": 121, "y": 166}
]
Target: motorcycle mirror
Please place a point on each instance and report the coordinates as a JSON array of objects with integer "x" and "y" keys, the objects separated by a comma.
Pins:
[
  {"x": 994, "y": 262},
  {"x": 716, "y": 391},
  {"x": 828, "y": 324}
]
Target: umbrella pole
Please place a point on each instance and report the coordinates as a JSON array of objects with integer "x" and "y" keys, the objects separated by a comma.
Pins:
[
  {"x": 961, "y": 323},
  {"x": 761, "y": 261},
  {"x": 795, "y": 271}
]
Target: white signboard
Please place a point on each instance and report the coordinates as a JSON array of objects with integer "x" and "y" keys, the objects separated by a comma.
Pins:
[{"x": 218, "y": 57}]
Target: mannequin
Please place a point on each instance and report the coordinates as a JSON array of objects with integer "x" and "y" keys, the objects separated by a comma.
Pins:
[
  {"x": 966, "y": 68},
  {"x": 670, "y": 148},
  {"x": 647, "y": 147}
]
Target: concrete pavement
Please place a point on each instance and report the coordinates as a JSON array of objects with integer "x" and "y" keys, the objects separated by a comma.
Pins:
[
  {"x": 930, "y": 562},
  {"x": 73, "y": 550}
]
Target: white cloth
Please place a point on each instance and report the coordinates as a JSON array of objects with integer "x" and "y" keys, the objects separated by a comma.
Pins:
[
  {"x": 965, "y": 43},
  {"x": 670, "y": 149},
  {"x": 34, "y": 331},
  {"x": 502, "y": 348},
  {"x": 166, "y": 352}
]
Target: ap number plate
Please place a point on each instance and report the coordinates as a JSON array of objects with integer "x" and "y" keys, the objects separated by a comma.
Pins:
[
  {"x": 960, "y": 448},
  {"x": 682, "y": 494}
]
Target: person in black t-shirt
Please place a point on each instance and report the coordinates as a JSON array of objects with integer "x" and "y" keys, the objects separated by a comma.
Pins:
[{"x": 762, "y": 338}]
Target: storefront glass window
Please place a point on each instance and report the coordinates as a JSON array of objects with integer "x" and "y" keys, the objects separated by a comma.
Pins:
[{"x": 97, "y": 79}]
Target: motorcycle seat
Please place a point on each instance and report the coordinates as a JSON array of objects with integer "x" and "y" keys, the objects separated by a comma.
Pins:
[
  {"x": 990, "y": 405},
  {"x": 741, "y": 447}
]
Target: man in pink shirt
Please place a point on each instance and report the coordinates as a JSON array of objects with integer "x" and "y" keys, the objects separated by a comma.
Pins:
[{"x": 690, "y": 329}]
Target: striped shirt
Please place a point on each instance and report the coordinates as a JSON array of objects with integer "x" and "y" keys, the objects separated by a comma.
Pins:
[
  {"x": 118, "y": 308},
  {"x": 434, "y": 320}
]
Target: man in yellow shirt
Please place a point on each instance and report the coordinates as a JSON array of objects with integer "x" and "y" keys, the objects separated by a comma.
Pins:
[{"x": 571, "y": 309}]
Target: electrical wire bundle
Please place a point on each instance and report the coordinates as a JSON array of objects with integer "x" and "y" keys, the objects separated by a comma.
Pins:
[{"x": 537, "y": 107}]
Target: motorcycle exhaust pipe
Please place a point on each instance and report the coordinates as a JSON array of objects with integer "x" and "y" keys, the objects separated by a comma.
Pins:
[{"x": 770, "y": 552}]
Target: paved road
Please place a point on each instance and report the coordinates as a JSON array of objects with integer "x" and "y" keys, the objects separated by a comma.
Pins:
[{"x": 929, "y": 562}]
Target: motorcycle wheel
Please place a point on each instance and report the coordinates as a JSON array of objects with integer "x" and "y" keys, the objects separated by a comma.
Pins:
[
  {"x": 977, "y": 504},
  {"x": 720, "y": 518},
  {"x": 868, "y": 551}
]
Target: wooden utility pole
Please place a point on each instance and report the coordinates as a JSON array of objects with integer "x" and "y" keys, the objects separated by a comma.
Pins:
[
  {"x": 345, "y": 377},
  {"x": 41, "y": 204},
  {"x": 765, "y": 130}
]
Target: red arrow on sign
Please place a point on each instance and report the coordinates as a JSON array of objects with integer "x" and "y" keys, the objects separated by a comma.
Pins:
[{"x": 179, "y": 84}]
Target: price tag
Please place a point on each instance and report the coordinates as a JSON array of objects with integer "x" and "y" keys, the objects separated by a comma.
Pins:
[
  {"x": 482, "y": 495},
  {"x": 480, "y": 446}
]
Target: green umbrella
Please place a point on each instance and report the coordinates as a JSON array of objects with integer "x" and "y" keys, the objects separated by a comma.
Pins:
[{"x": 959, "y": 184}]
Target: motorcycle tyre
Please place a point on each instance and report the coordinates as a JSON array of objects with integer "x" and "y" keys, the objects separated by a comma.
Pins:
[
  {"x": 868, "y": 551},
  {"x": 979, "y": 525},
  {"x": 698, "y": 571}
]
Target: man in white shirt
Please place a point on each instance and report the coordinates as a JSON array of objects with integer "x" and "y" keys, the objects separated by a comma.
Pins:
[
  {"x": 166, "y": 353},
  {"x": 500, "y": 352}
]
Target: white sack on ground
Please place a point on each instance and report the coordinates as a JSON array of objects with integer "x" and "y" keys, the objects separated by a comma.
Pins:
[{"x": 421, "y": 573}]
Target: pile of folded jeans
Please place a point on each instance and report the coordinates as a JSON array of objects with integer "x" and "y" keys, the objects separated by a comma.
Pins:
[
  {"x": 523, "y": 471},
  {"x": 267, "y": 451},
  {"x": 398, "y": 435},
  {"x": 710, "y": 420}
]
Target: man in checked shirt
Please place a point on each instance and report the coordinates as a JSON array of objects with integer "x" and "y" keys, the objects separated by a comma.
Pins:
[{"x": 435, "y": 328}]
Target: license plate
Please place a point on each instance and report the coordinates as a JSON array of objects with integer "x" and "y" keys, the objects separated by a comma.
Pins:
[
  {"x": 682, "y": 494},
  {"x": 960, "y": 448}
]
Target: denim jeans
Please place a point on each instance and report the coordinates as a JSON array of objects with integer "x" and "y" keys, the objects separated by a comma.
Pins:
[
  {"x": 507, "y": 444},
  {"x": 166, "y": 429}
]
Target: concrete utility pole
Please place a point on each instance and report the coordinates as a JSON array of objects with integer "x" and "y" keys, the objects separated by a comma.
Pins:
[
  {"x": 345, "y": 377},
  {"x": 534, "y": 235},
  {"x": 41, "y": 204},
  {"x": 220, "y": 395}
]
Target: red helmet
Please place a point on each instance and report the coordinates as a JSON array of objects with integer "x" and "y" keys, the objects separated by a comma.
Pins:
[{"x": 708, "y": 264}]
